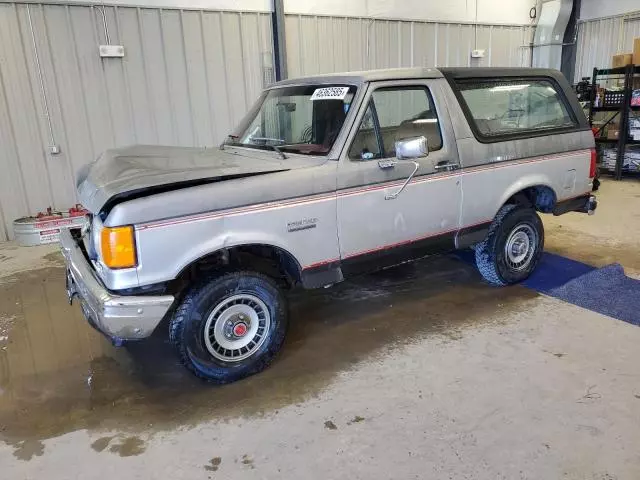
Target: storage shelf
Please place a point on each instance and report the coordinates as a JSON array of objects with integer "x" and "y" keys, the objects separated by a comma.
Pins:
[
  {"x": 615, "y": 109},
  {"x": 622, "y": 112},
  {"x": 610, "y": 140},
  {"x": 618, "y": 71}
]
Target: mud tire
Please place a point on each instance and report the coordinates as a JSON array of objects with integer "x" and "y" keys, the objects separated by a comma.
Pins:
[
  {"x": 186, "y": 328},
  {"x": 490, "y": 254}
]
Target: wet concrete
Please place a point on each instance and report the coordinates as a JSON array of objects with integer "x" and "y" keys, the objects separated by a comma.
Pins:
[
  {"x": 57, "y": 375},
  {"x": 612, "y": 235}
]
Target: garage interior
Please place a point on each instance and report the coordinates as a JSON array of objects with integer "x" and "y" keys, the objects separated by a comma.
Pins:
[{"x": 420, "y": 371}]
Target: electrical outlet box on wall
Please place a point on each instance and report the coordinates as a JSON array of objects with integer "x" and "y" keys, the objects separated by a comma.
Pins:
[
  {"x": 111, "y": 51},
  {"x": 477, "y": 53}
]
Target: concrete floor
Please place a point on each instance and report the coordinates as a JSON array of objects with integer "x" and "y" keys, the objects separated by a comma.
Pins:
[{"x": 418, "y": 372}]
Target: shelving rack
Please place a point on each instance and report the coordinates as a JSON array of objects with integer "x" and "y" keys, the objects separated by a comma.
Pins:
[{"x": 622, "y": 110}]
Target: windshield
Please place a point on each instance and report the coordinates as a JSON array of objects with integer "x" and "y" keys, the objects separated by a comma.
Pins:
[{"x": 300, "y": 119}]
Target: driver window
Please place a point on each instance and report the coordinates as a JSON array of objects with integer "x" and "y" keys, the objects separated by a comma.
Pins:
[{"x": 402, "y": 112}]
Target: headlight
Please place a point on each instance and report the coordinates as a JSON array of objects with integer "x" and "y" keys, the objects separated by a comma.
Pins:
[{"x": 118, "y": 247}]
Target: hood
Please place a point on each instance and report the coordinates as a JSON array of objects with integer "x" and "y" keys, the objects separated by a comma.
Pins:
[{"x": 142, "y": 170}]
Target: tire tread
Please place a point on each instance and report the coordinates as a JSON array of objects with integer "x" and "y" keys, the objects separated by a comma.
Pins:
[
  {"x": 485, "y": 257},
  {"x": 182, "y": 312}
]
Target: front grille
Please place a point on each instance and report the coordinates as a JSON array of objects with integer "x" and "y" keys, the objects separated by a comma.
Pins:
[{"x": 87, "y": 237}]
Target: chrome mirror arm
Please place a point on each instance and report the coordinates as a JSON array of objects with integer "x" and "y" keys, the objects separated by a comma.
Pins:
[{"x": 391, "y": 196}]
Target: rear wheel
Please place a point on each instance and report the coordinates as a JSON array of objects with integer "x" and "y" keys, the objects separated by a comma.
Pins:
[
  {"x": 513, "y": 247},
  {"x": 230, "y": 327}
]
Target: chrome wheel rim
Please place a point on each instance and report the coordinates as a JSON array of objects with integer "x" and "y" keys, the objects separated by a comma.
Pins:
[
  {"x": 521, "y": 247},
  {"x": 237, "y": 327}
]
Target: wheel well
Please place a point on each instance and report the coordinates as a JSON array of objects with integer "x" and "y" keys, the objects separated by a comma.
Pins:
[
  {"x": 541, "y": 197},
  {"x": 274, "y": 262}
]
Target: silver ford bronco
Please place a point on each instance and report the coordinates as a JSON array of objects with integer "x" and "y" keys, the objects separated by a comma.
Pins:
[{"x": 325, "y": 177}]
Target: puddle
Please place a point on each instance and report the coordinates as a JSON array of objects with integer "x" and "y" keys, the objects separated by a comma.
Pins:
[
  {"x": 128, "y": 446},
  {"x": 57, "y": 375}
]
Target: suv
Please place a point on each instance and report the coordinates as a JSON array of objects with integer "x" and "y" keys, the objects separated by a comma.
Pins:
[{"x": 325, "y": 177}]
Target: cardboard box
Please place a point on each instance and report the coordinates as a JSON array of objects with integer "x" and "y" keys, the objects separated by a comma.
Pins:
[
  {"x": 622, "y": 59},
  {"x": 613, "y": 133},
  {"x": 636, "y": 51}
]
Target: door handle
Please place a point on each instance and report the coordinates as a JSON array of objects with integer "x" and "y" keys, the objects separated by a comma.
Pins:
[
  {"x": 446, "y": 167},
  {"x": 386, "y": 164},
  {"x": 391, "y": 196}
]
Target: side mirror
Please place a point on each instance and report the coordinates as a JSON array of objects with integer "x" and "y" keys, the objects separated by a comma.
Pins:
[{"x": 410, "y": 148}]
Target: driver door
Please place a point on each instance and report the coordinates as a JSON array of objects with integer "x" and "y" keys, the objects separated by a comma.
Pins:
[{"x": 376, "y": 227}]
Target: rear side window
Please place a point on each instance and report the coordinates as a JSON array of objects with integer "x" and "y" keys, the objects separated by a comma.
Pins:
[{"x": 515, "y": 106}]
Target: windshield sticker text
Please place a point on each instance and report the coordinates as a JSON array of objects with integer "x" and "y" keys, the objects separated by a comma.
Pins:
[{"x": 330, "y": 93}]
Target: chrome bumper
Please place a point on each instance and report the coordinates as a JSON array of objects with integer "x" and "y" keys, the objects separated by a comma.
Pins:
[{"x": 118, "y": 317}]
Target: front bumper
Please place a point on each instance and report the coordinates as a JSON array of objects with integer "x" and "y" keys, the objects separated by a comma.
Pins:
[{"x": 118, "y": 317}]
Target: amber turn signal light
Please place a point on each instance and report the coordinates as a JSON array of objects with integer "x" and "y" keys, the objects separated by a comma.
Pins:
[{"x": 118, "y": 247}]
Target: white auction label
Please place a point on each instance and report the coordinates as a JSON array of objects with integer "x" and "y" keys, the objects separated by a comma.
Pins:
[{"x": 330, "y": 93}]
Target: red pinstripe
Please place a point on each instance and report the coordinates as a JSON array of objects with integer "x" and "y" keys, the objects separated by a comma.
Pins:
[{"x": 345, "y": 193}]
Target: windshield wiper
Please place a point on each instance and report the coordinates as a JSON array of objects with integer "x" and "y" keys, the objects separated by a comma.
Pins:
[
  {"x": 231, "y": 137},
  {"x": 261, "y": 139},
  {"x": 274, "y": 147}
]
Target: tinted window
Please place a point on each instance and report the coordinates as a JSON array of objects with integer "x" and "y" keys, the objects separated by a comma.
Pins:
[
  {"x": 394, "y": 114},
  {"x": 507, "y": 107}
]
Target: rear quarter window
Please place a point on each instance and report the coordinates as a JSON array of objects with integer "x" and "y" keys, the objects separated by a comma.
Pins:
[{"x": 502, "y": 108}]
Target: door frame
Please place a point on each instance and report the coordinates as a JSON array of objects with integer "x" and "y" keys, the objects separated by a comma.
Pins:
[{"x": 449, "y": 152}]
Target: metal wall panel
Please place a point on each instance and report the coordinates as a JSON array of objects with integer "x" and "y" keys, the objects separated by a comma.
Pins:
[
  {"x": 320, "y": 44},
  {"x": 187, "y": 78},
  {"x": 600, "y": 39}
]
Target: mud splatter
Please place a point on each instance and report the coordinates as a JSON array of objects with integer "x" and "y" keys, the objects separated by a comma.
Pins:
[
  {"x": 356, "y": 419},
  {"x": 329, "y": 425},
  {"x": 55, "y": 258},
  {"x": 28, "y": 449},
  {"x": 6, "y": 324},
  {"x": 128, "y": 446},
  {"x": 100, "y": 444},
  {"x": 213, "y": 465},
  {"x": 558, "y": 355},
  {"x": 247, "y": 461}
]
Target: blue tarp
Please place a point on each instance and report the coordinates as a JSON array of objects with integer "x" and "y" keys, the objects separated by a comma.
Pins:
[{"x": 605, "y": 290}]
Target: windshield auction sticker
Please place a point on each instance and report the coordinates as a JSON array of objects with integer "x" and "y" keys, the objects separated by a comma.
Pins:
[{"x": 330, "y": 93}]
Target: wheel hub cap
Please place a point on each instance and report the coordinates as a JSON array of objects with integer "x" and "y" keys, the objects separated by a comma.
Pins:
[
  {"x": 240, "y": 329},
  {"x": 521, "y": 246},
  {"x": 237, "y": 327}
]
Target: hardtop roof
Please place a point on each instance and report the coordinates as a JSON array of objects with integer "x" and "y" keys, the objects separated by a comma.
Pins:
[{"x": 358, "y": 78}]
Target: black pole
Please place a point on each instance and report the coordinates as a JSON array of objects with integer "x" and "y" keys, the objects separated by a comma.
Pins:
[
  {"x": 624, "y": 120},
  {"x": 279, "y": 40}
]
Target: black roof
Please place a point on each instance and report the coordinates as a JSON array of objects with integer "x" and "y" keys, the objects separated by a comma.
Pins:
[{"x": 358, "y": 78}]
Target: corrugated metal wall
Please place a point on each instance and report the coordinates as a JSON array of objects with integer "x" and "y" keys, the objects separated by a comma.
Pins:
[
  {"x": 187, "y": 77},
  {"x": 600, "y": 39},
  {"x": 319, "y": 44}
]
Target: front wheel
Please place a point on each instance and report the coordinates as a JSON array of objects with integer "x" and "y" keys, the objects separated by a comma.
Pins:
[
  {"x": 513, "y": 246},
  {"x": 230, "y": 327}
]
